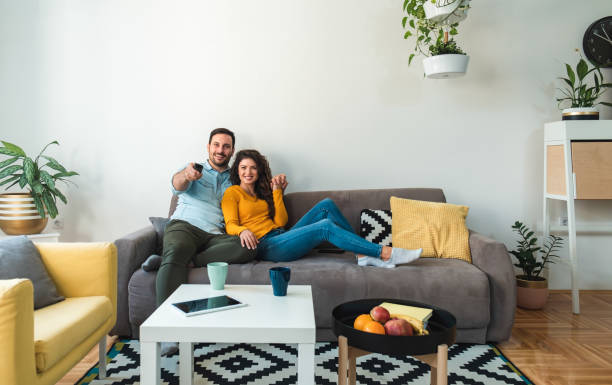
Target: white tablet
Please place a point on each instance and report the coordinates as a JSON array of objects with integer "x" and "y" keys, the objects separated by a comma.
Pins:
[{"x": 207, "y": 305}]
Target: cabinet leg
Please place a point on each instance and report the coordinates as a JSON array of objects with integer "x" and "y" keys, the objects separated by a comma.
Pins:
[{"x": 571, "y": 232}]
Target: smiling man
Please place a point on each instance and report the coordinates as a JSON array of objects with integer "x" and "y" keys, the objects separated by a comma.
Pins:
[{"x": 196, "y": 231}]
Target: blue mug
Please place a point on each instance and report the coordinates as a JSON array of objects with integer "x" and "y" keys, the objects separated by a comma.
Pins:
[{"x": 279, "y": 276}]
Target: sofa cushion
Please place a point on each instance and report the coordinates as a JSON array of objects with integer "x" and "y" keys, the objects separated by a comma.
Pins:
[
  {"x": 19, "y": 258},
  {"x": 458, "y": 287},
  {"x": 376, "y": 226},
  {"x": 61, "y": 327},
  {"x": 439, "y": 228},
  {"x": 159, "y": 224}
]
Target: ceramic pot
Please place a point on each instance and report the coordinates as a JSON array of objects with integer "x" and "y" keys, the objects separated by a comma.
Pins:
[
  {"x": 445, "y": 11},
  {"x": 531, "y": 295},
  {"x": 18, "y": 215},
  {"x": 445, "y": 66},
  {"x": 580, "y": 113}
]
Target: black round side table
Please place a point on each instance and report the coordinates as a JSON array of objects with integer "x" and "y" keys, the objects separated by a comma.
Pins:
[{"x": 431, "y": 349}]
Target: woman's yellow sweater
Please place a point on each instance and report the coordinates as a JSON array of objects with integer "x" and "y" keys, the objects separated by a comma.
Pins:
[{"x": 243, "y": 211}]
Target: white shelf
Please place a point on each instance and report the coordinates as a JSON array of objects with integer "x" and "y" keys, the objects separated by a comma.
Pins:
[
  {"x": 42, "y": 237},
  {"x": 563, "y": 133}
]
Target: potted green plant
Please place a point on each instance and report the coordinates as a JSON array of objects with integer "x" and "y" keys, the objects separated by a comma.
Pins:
[
  {"x": 26, "y": 213},
  {"x": 579, "y": 94},
  {"x": 430, "y": 23},
  {"x": 532, "y": 288}
]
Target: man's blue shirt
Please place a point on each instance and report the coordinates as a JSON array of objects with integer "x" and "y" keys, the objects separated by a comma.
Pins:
[{"x": 200, "y": 203}]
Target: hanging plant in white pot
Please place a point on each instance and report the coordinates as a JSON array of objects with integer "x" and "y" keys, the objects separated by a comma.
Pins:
[{"x": 431, "y": 22}]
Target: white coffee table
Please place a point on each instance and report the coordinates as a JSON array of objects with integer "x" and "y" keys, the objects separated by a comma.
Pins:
[{"x": 265, "y": 319}]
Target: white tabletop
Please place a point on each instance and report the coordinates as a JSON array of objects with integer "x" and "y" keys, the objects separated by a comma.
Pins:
[{"x": 265, "y": 319}]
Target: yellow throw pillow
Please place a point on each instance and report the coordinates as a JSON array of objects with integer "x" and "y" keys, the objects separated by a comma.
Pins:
[{"x": 439, "y": 228}]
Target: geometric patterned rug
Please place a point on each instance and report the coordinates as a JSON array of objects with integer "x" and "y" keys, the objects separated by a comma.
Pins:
[{"x": 261, "y": 364}]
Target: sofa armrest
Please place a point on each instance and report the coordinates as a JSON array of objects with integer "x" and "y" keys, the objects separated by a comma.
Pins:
[
  {"x": 493, "y": 259},
  {"x": 17, "y": 332},
  {"x": 132, "y": 250}
]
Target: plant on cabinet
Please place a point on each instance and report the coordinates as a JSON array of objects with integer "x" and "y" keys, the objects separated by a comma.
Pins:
[
  {"x": 532, "y": 288},
  {"x": 582, "y": 96},
  {"x": 26, "y": 212}
]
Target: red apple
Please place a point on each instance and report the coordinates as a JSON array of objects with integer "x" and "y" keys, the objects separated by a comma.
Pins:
[
  {"x": 398, "y": 327},
  {"x": 380, "y": 314}
]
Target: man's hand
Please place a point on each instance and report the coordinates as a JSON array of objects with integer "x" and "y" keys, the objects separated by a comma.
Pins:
[
  {"x": 248, "y": 239},
  {"x": 279, "y": 182},
  {"x": 191, "y": 174}
]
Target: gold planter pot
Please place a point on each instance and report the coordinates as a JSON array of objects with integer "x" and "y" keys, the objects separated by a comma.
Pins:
[
  {"x": 531, "y": 294},
  {"x": 18, "y": 215}
]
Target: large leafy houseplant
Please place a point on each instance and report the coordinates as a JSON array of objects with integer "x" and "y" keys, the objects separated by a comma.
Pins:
[
  {"x": 39, "y": 175},
  {"x": 431, "y": 37},
  {"x": 531, "y": 258},
  {"x": 577, "y": 91}
]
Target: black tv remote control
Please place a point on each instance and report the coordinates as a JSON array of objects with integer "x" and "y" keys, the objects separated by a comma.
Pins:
[{"x": 198, "y": 167}]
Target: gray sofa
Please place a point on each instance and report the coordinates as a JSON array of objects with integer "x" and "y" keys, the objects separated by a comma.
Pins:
[{"x": 481, "y": 295}]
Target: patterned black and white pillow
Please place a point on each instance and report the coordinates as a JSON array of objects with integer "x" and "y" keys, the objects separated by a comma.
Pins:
[{"x": 376, "y": 226}]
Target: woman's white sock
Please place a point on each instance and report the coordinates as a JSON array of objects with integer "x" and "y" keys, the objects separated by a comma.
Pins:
[
  {"x": 373, "y": 261},
  {"x": 400, "y": 256}
]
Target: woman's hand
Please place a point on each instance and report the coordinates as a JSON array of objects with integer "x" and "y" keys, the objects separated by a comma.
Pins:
[
  {"x": 279, "y": 182},
  {"x": 248, "y": 239}
]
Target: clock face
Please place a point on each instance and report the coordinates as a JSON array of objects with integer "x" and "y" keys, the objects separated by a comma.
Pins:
[{"x": 597, "y": 42}]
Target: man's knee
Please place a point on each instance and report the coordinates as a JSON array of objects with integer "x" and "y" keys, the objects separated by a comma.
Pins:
[
  {"x": 178, "y": 253},
  {"x": 239, "y": 253}
]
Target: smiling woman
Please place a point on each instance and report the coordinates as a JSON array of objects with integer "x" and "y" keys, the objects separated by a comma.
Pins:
[{"x": 254, "y": 209}]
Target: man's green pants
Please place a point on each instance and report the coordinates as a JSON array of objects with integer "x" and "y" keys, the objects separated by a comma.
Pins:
[{"x": 184, "y": 243}]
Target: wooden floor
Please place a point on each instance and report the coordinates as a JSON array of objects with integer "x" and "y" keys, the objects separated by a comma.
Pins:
[
  {"x": 554, "y": 346},
  {"x": 551, "y": 346}
]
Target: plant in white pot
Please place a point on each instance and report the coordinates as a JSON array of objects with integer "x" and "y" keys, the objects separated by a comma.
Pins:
[
  {"x": 532, "y": 288},
  {"x": 581, "y": 95},
  {"x": 431, "y": 22},
  {"x": 26, "y": 212}
]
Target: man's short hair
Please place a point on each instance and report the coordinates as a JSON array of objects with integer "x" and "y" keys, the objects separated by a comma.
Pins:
[{"x": 222, "y": 131}]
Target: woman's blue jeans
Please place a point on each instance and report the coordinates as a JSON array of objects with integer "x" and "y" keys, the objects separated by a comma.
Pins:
[{"x": 324, "y": 222}]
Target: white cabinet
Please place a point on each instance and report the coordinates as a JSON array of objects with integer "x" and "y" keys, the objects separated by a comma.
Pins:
[{"x": 577, "y": 165}]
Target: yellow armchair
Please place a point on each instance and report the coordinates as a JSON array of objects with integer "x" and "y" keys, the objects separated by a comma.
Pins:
[{"x": 40, "y": 346}]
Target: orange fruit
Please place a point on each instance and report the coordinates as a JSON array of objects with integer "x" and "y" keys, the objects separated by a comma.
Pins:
[
  {"x": 361, "y": 320},
  {"x": 374, "y": 327}
]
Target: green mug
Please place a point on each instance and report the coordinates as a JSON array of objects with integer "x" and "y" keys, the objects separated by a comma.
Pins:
[{"x": 217, "y": 272}]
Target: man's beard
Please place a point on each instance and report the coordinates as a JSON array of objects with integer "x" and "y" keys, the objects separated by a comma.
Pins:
[{"x": 222, "y": 164}]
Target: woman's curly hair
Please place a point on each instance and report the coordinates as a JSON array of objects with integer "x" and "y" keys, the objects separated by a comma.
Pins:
[{"x": 264, "y": 176}]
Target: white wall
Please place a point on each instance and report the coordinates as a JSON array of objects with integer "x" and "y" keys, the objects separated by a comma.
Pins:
[{"x": 131, "y": 89}]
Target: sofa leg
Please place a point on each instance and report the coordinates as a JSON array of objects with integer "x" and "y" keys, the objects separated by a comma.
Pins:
[{"x": 102, "y": 358}]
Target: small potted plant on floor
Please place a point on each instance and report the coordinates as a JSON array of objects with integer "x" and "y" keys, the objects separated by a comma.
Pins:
[
  {"x": 579, "y": 94},
  {"x": 532, "y": 288},
  {"x": 26, "y": 212},
  {"x": 431, "y": 22}
]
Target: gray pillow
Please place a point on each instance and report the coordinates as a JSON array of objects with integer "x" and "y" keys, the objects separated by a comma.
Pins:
[
  {"x": 19, "y": 258},
  {"x": 159, "y": 224}
]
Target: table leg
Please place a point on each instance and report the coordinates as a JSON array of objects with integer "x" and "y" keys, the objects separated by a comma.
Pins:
[
  {"x": 185, "y": 363},
  {"x": 352, "y": 370},
  {"x": 441, "y": 367},
  {"x": 342, "y": 359},
  {"x": 102, "y": 358},
  {"x": 306, "y": 364},
  {"x": 150, "y": 363}
]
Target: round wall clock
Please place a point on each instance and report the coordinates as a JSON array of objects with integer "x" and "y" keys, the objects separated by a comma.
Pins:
[{"x": 597, "y": 42}]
